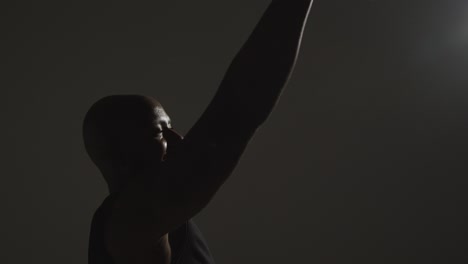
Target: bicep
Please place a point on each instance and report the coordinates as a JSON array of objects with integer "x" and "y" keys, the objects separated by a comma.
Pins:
[
  {"x": 147, "y": 210},
  {"x": 190, "y": 177},
  {"x": 205, "y": 159},
  {"x": 208, "y": 155}
]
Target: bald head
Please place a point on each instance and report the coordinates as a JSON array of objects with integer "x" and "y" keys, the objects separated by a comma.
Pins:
[{"x": 125, "y": 132}]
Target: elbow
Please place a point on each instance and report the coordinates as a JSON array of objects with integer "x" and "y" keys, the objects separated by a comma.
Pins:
[
  {"x": 259, "y": 119},
  {"x": 258, "y": 114},
  {"x": 252, "y": 120}
]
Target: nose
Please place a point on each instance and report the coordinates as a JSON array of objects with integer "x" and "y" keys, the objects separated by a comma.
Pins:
[{"x": 172, "y": 137}]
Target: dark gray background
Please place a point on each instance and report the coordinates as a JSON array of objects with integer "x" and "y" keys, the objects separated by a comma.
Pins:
[{"x": 371, "y": 132}]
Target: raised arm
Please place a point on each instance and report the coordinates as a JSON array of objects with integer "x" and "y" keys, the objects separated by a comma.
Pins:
[
  {"x": 196, "y": 168},
  {"x": 246, "y": 96},
  {"x": 262, "y": 67}
]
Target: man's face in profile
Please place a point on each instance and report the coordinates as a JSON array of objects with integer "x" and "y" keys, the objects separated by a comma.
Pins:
[
  {"x": 125, "y": 134},
  {"x": 149, "y": 142},
  {"x": 164, "y": 135}
]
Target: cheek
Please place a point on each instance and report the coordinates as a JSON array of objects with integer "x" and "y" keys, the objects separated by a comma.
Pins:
[{"x": 150, "y": 150}]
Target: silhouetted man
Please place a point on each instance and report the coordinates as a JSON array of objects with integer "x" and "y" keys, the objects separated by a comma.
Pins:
[{"x": 158, "y": 180}]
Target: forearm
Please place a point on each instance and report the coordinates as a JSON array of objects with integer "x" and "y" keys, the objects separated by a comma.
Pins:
[{"x": 264, "y": 64}]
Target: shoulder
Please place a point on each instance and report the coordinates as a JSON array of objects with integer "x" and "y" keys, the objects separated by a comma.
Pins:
[{"x": 103, "y": 210}]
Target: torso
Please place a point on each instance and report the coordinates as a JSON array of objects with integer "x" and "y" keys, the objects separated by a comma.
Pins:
[{"x": 184, "y": 245}]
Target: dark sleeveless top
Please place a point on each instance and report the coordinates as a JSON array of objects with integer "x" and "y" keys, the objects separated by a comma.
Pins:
[{"x": 187, "y": 243}]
